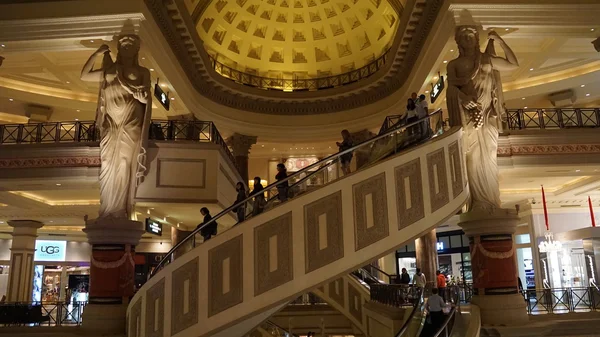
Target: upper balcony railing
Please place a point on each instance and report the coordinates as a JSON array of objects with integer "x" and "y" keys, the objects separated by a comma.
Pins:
[
  {"x": 86, "y": 131},
  {"x": 553, "y": 118},
  {"x": 297, "y": 84}
]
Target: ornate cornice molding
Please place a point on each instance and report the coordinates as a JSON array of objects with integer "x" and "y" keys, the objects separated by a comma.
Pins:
[
  {"x": 553, "y": 149},
  {"x": 187, "y": 47},
  {"x": 19, "y": 163}
]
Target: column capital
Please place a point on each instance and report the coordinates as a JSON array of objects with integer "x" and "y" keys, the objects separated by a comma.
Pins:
[
  {"x": 25, "y": 224},
  {"x": 484, "y": 222},
  {"x": 241, "y": 144}
]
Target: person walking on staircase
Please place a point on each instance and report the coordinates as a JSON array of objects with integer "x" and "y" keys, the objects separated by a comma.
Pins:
[{"x": 435, "y": 306}]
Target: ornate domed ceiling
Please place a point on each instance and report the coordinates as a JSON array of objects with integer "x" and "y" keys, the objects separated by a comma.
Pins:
[{"x": 297, "y": 38}]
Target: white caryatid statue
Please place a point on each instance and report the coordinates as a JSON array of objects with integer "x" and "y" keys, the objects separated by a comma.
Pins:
[
  {"x": 123, "y": 118},
  {"x": 474, "y": 101}
]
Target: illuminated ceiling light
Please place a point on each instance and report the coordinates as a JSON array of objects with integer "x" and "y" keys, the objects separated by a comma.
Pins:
[
  {"x": 10, "y": 99},
  {"x": 550, "y": 245},
  {"x": 92, "y": 41},
  {"x": 163, "y": 85},
  {"x": 426, "y": 91},
  {"x": 50, "y": 221},
  {"x": 290, "y": 148},
  {"x": 78, "y": 110},
  {"x": 507, "y": 29},
  {"x": 262, "y": 145},
  {"x": 1, "y": 222},
  {"x": 451, "y": 50},
  {"x": 67, "y": 82},
  {"x": 577, "y": 170},
  {"x": 172, "y": 98},
  {"x": 76, "y": 119},
  {"x": 583, "y": 85},
  {"x": 593, "y": 29},
  {"x": 143, "y": 58},
  {"x": 435, "y": 78},
  {"x": 523, "y": 98},
  {"x": 58, "y": 184},
  {"x": 273, "y": 149},
  {"x": 587, "y": 95},
  {"x": 530, "y": 69},
  {"x": 524, "y": 107},
  {"x": 445, "y": 61},
  {"x": 2, "y": 45},
  {"x": 151, "y": 69}
]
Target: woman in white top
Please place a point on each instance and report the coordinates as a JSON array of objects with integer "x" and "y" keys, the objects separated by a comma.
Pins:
[{"x": 419, "y": 279}]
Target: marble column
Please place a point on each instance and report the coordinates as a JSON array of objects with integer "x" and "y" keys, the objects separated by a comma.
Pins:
[
  {"x": 20, "y": 281},
  {"x": 362, "y": 155},
  {"x": 494, "y": 265},
  {"x": 241, "y": 145},
  {"x": 177, "y": 236},
  {"x": 427, "y": 259}
]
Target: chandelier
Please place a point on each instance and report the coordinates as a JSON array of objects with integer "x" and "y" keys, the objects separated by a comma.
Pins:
[{"x": 550, "y": 245}]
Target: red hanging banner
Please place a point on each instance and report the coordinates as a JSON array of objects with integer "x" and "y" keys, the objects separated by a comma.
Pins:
[
  {"x": 592, "y": 212},
  {"x": 545, "y": 209}
]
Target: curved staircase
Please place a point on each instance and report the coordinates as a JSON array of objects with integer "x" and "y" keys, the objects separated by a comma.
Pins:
[{"x": 232, "y": 283}]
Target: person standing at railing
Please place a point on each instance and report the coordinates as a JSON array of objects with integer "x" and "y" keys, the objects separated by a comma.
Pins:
[
  {"x": 241, "y": 196},
  {"x": 346, "y": 144},
  {"x": 282, "y": 188},
  {"x": 404, "y": 277},
  {"x": 441, "y": 284},
  {"x": 208, "y": 231},
  {"x": 422, "y": 112},
  {"x": 419, "y": 279},
  {"x": 411, "y": 116},
  {"x": 259, "y": 199}
]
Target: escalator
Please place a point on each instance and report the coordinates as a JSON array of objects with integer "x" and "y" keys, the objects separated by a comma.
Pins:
[{"x": 230, "y": 284}]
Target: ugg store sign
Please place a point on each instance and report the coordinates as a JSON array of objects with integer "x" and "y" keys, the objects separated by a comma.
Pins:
[{"x": 50, "y": 251}]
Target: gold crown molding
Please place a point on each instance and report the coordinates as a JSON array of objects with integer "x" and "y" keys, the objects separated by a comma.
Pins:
[{"x": 185, "y": 44}]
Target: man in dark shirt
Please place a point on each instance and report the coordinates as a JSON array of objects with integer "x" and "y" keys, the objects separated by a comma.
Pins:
[
  {"x": 208, "y": 231},
  {"x": 404, "y": 277}
]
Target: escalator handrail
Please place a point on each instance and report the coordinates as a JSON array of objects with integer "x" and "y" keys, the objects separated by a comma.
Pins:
[
  {"x": 306, "y": 170},
  {"x": 406, "y": 324},
  {"x": 269, "y": 322}
]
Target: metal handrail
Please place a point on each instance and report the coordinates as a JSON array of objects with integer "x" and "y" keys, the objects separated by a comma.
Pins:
[
  {"x": 290, "y": 84},
  {"x": 272, "y": 324},
  {"x": 552, "y": 118},
  {"x": 419, "y": 303},
  {"x": 307, "y": 170}
]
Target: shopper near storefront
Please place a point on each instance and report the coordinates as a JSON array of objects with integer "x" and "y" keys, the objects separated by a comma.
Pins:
[
  {"x": 441, "y": 284},
  {"x": 419, "y": 279}
]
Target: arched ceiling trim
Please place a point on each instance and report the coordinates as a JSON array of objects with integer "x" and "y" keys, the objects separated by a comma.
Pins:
[{"x": 179, "y": 31}]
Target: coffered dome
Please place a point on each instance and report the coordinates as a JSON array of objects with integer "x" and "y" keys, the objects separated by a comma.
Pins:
[{"x": 297, "y": 38}]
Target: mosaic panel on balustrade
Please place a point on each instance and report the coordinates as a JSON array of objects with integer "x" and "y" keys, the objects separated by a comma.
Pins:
[
  {"x": 336, "y": 291},
  {"x": 323, "y": 231},
  {"x": 456, "y": 168},
  {"x": 409, "y": 193},
  {"x": 225, "y": 276},
  {"x": 355, "y": 303},
  {"x": 184, "y": 296},
  {"x": 273, "y": 256},
  {"x": 438, "y": 180},
  {"x": 370, "y": 211},
  {"x": 155, "y": 308},
  {"x": 135, "y": 319}
]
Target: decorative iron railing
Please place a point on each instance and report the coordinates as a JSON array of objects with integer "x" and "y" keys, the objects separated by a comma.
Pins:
[
  {"x": 86, "y": 131},
  {"x": 41, "y": 313},
  {"x": 562, "y": 300},
  {"x": 395, "y": 295},
  {"x": 553, "y": 118},
  {"x": 299, "y": 84}
]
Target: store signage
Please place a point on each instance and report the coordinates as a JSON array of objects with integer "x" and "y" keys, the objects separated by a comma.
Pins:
[
  {"x": 153, "y": 227},
  {"x": 50, "y": 251},
  {"x": 437, "y": 89},
  {"x": 162, "y": 97},
  {"x": 440, "y": 246}
]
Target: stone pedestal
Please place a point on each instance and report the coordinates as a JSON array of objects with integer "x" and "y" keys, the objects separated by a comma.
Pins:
[
  {"x": 20, "y": 282},
  {"x": 241, "y": 145},
  {"x": 494, "y": 266},
  {"x": 112, "y": 272},
  {"x": 427, "y": 259}
]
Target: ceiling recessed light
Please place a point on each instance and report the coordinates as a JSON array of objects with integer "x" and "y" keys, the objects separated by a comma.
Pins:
[
  {"x": 172, "y": 98},
  {"x": 143, "y": 58},
  {"x": 262, "y": 145},
  {"x": 506, "y": 29},
  {"x": 78, "y": 110},
  {"x": 92, "y": 41},
  {"x": 530, "y": 69},
  {"x": 50, "y": 221},
  {"x": 10, "y": 99},
  {"x": 524, "y": 107},
  {"x": 593, "y": 29},
  {"x": 451, "y": 50},
  {"x": 67, "y": 82},
  {"x": 2, "y": 45},
  {"x": 76, "y": 119},
  {"x": 435, "y": 78},
  {"x": 445, "y": 61},
  {"x": 587, "y": 94},
  {"x": 273, "y": 149},
  {"x": 58, "y": 184},
  {"x": 426, "y": 91},
  {"x": 583, "y": 85},
  {"x": 522, "y": 98},
  {"x": 577, "y": 170},
  {"x": 151, "y": 69},
  {"x": 1, "y": 222},
  {"x": 163, "y": 85}
]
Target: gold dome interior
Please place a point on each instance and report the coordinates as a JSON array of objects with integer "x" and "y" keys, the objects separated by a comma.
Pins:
[{"x": 297, "y": 38}]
